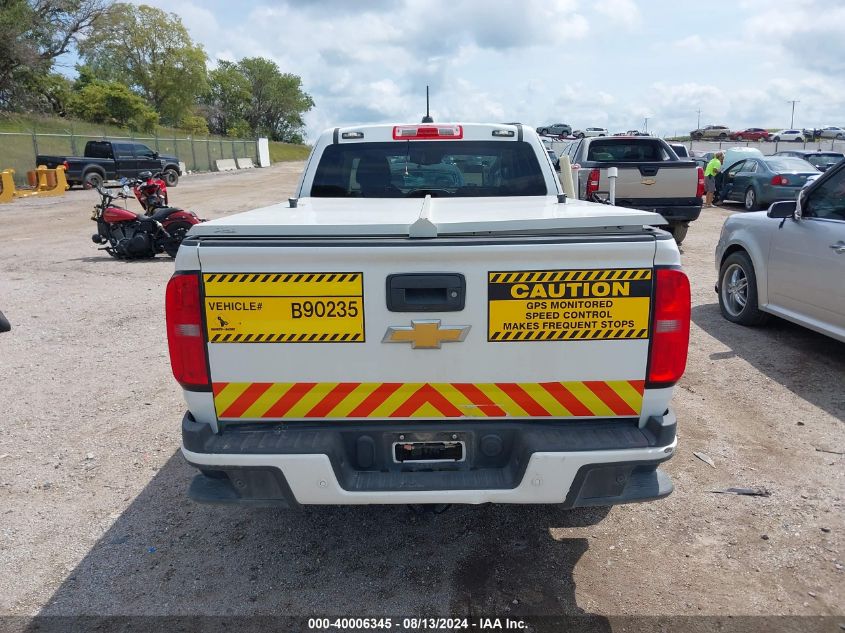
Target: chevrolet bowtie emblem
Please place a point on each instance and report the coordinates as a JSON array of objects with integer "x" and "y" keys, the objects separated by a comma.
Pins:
[
  {"x": 426, "y": 334},
  {"x": 648, "y": 181}
]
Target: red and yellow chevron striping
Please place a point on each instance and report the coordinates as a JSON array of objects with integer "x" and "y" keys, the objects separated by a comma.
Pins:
[{"x": 350, "y": 400}]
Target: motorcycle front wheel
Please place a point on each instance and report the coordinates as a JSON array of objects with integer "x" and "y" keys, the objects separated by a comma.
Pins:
[{"x": 177, "y": 231}]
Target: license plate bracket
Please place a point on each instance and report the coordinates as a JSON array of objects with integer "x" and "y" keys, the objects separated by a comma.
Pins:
[{"x": 429, "y": 452}]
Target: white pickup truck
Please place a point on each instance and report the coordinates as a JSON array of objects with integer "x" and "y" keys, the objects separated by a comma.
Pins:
[{"x": 430, "y": 320}]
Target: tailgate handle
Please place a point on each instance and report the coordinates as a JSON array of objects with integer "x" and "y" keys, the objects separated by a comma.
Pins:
[
  {"x": 426, "y": 292},
  {"x": 648, "y": 171}
]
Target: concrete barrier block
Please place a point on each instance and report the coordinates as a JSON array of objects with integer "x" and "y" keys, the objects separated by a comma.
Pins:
[
  {"x": 226, "y": 164},
  {"x": 245, "y": 163},
  {"x": 7, "y": 185},
  {"x": 183, "y": 168},
  {"x": 263, "y": 152}
]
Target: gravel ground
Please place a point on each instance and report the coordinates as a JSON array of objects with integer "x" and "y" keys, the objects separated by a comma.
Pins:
[{"x": 94, "y": 518}]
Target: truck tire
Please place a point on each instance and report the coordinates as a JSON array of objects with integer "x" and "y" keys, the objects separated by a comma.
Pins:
[
  {"x": 171, "y": 177},
  {"x": 92, "y": 180},
  {"x": 738, "y": 291},
  {"x": 723, "y": 137},
  {"x": 679, "y": 231}
]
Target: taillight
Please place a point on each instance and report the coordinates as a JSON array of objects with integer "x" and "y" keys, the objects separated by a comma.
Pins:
[
  {"x": 184, "y": 331},
  {"x": 423, "y": 132},
  {"x": 699, "y": 191},
  {"x": 593, "y": 182},
  {"x": 780, "y": 180},
  {"x": 670, "y": 328}
]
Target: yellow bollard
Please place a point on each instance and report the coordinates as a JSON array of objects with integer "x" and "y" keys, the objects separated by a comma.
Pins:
[
  {"x": 41, "y": 173},
  {"x": 61, "y": 180},
  {"x": 52, "y": 182},
  {"x": 7, "y": 185}
]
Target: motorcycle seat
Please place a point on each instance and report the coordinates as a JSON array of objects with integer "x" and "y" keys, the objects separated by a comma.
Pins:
[{"x": 162, "y": 214}]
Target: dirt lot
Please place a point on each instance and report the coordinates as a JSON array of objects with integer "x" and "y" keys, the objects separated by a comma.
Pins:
[{"x": 94, "y": 518}]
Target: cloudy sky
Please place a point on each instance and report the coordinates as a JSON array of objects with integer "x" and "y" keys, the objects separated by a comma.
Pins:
[{"x": 607, "y": 63}]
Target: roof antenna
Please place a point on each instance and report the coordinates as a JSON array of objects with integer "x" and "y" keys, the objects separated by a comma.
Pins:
[{"x": 427, "y": 118}]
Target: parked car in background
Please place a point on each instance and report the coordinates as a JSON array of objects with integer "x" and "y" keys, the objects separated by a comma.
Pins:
[
  {"x": 556, "y": 129},
  {"x": 590, "y": 132},
  {"x": 788, "y": 135},
  {"x": 554, "y": 158},
  {"x": 832, "y": 131},
  {"x": 720, "y": 132},
  {"x": 789, "y": 261},
  {"x": 750, "y": 134},
  {"x": 821, "y": 160},
  {"x": 759, "y": 182}
]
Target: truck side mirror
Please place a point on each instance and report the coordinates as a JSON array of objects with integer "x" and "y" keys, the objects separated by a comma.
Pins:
[{"x": 782, "y": 209}]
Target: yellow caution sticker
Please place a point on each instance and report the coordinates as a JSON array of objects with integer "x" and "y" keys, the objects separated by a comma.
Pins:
[
  {"x": 284, "y": 307},
  {"x": 555, "y": 305}
]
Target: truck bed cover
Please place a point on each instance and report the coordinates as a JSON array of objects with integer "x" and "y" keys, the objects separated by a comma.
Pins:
[{"x": 450, "y": 216}]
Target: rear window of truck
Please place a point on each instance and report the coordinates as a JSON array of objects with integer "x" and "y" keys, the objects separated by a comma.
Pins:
[
  {"x": 616, "y": 151},
  {"x": 416, "y": 168}
]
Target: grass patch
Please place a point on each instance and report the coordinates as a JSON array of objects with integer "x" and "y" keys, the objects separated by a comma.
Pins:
[{"x": 282, "y": 152}]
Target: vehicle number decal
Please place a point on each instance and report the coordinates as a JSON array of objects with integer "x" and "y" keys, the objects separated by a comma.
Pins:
[
  {"x": 555, "y": 305},
  {"x": 284, "y": 307}
]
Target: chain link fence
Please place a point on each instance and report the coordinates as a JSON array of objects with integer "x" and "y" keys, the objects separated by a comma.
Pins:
[{"x": 198, "y": 153}]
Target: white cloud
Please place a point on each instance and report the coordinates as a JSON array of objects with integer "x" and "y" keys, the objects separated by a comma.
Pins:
[
  {"x": 540, "y": 61},
  {"x": 622, "y": 12}
]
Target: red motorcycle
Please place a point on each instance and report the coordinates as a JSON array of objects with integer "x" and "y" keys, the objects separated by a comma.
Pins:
[
  {"x": 150, "y": 190},
  {"x": 128, "y": 235}
]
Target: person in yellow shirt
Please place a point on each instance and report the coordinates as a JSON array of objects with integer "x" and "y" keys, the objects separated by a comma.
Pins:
[{"x": 710, "y": 172}]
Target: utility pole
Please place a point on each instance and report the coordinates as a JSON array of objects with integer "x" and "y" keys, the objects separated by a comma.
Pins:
[
  {"x": 792, "y": 120},
  {"x": 698, "y": 124},
  {"x": 646, "y": 123}
]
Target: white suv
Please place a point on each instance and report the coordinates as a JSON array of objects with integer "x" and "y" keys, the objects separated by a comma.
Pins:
[
  {"x": 592, "y": 131},
  {"x": 788, "y": 135}
]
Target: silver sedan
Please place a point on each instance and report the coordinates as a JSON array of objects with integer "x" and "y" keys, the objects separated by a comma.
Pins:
[{"x": 789, "y": 261}]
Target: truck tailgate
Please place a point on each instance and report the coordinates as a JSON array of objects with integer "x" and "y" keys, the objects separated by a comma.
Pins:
[
  {"x": 677, "y": 180},
  {"x": 374, "y": 328}
]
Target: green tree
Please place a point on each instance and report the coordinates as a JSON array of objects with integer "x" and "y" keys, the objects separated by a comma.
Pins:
[
  {"x": 195, "y": 124},
  {"x": 254, "y": 97},
  {"x": 33, "y": 33},
  {"x": 151, "y": 51},
  {"x": 113, "y": 103},
  {"x": 228, "y": 99}
]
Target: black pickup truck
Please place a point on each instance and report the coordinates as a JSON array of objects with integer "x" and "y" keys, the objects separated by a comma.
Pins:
[{"x": 111, "y": 160}]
